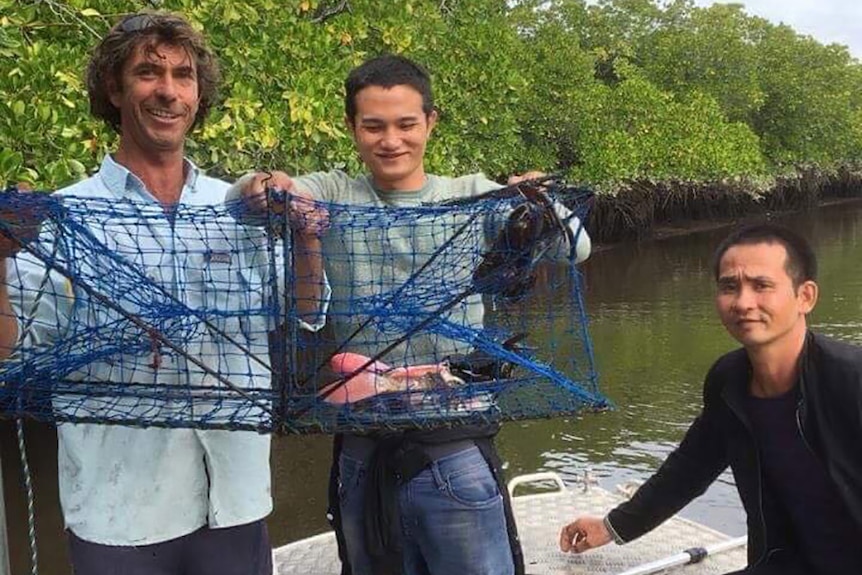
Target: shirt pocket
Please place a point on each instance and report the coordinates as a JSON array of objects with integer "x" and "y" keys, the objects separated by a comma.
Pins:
[
  {"x": 221, "y": 284},
  {"x": 232, "y": 296}
]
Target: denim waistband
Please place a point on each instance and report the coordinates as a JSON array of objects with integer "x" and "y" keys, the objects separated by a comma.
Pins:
[{"x": 360, "y": 448}]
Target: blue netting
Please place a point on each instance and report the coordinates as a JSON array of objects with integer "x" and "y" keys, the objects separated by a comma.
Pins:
[{"x": 190, "y": 318}]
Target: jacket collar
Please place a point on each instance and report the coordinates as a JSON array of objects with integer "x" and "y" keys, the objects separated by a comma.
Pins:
[{"x": 735, "y": 390}]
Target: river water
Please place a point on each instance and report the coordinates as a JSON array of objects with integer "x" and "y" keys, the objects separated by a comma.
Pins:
[{"x": 655, "y": 334}]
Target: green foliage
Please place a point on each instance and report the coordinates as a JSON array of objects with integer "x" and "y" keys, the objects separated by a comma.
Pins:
[
  {"x": 799, "y": 97},
  {"x": 46, "y": 134},
  {"x": 604, "y": 117},
  {"x": 606, "y": 92},
  {"x": 811, "y": 109},
  {"x": 284, "y": 65},
  {"x": 641, "y": 132},
  {"x": 707, "y": 50}
]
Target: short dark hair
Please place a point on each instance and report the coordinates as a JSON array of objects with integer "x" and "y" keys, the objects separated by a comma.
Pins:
[
  {"x": 151, "y": 28},
  {"x": 801, "y": 264},
  {"x": 387, "y": 71}
]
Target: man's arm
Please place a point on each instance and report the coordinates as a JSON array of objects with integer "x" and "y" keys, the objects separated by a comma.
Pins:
[
  {"x": 8, "y": 321},
  {"x": 8, "y": 247},
  {"x": 311, "y": 288},
  {"x": 308, "y": 221},
  {"x": 684, "y": 475}
]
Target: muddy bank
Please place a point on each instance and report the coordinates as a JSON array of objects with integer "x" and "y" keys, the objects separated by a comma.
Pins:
[{"x": 642, "y": 209}]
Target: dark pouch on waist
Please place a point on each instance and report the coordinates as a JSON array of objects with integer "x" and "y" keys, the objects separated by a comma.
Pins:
[{"x": 391, "y": 464}]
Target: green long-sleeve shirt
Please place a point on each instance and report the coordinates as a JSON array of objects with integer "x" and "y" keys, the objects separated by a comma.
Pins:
[{"x": 368, "y": 257}]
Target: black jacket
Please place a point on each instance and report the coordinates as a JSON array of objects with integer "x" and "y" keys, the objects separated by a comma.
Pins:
[{"x": 829, "y": 416}]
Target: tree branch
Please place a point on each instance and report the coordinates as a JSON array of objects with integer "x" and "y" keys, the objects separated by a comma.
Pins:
[
  {"x": 63, "y": 12},
  {"x": 325, "y": 12}
]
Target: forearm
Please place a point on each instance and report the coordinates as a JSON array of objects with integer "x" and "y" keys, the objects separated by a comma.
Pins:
[
  {"x": 685, "y": 474},
  {"x": 8, "y": 321},
  {"x": 308, "y": 271},
  {"x": 247, "y": 201}
]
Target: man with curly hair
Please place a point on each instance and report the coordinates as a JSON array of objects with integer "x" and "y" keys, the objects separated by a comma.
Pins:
[{"x": 153, "y": 501}]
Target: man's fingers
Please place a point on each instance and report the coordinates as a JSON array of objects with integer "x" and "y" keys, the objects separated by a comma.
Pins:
[
  {"x": 263, "y": 181},
  {"x": 258, "y": 183},
  {"x": 568, "y": 536},
  {"x": 582, "y": 543},
  {"x": 255, "y": 192},
  {"x": 306, "y": 216},
  {"x": 531, "y": 175},
  {"x": 583, "y": 534},
  {"x": 279, "y": 181},
  {"x": 565, "y": 541}
]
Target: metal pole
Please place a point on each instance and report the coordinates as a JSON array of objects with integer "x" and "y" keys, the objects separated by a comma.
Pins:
[
  {"x": 5, "y": 568},
  {"x": 695, "y": 555}
]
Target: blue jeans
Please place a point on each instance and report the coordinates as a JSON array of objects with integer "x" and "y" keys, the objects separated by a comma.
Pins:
[{"x": 452, "y": 518}]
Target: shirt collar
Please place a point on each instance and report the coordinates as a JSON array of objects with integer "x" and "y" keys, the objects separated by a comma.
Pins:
[
  {"x": 122, "y": 183},
  {"x": 417, "y": 195}
]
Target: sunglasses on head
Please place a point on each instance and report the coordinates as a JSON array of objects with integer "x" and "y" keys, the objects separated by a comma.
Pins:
[{"x": 140, "y": 22}]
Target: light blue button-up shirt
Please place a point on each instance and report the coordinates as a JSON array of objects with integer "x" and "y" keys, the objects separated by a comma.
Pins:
[{"x": 132, "y": 486}]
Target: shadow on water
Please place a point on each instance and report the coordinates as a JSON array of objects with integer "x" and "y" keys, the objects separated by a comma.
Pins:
[{"x": 655, "y": 334}]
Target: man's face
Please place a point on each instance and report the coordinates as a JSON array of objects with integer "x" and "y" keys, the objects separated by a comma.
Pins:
[
  {"x": 756, "y": 300},
  {"x": 157, "y": 99},
  {"x": 391, "y": 131}
]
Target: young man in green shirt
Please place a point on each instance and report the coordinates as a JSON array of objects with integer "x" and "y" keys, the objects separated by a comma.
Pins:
[{"x": 442, "y": 507}]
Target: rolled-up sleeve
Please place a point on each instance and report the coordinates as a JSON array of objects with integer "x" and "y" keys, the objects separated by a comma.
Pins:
[{"x": 42, "y": 300}]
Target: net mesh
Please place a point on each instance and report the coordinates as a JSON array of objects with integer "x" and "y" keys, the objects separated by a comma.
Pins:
[{"x": 428, "y": 316}]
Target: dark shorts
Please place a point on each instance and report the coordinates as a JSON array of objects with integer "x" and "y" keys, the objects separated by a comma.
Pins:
[{"x": 240, "y": 550}]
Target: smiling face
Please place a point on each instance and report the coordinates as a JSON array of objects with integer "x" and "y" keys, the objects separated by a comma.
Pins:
[
  {"x": 757, "y": 301},
  {"x": 157, "y": 99},
  {"x": 391, "y": 131}
]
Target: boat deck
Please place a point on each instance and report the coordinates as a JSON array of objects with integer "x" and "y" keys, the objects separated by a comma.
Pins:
[{"x": 539, "y": 518}]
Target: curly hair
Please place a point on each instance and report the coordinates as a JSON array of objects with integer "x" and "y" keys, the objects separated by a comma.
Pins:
[{"x": 150, "y": 29}]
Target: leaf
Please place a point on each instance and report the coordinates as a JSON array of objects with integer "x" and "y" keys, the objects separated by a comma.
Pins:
[{"x": 77, "y": 168}]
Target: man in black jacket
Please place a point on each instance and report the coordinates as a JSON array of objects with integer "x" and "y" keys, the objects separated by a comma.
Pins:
[{"x": 784, "y": 412}]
